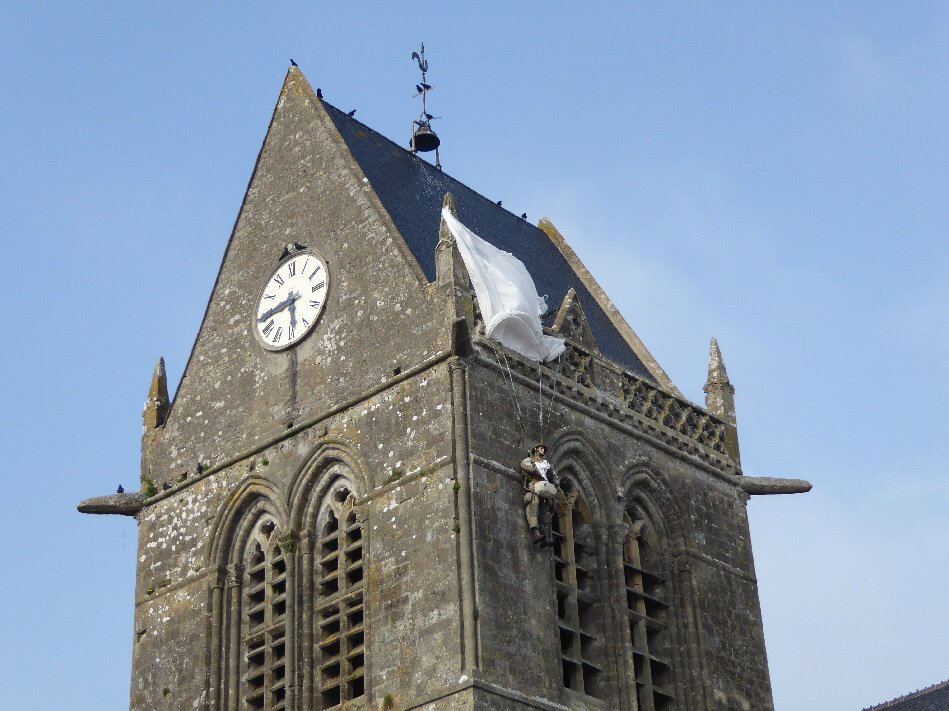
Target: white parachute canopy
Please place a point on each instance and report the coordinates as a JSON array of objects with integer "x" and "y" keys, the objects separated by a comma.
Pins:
[{"x": 506, "y": 294}]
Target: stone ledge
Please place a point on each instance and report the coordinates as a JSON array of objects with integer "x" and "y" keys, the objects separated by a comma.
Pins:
[{"x": 117, "y": 504}]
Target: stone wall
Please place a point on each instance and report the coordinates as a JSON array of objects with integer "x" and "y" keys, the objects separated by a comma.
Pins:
[
  {"x": 407, "y": 502},
  {"x": 396, "y": 391},
  {"x": 719, "y": 659}
]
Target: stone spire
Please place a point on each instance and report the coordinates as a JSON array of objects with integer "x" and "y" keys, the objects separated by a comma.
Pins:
[
  {"x": 157, "y": 405},
  {"x": 720, "y": 399}
]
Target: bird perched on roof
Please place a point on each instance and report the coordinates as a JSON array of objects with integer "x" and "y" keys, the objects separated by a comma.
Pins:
[
  {"x": 418, "y": 88},
  {"x": 498, "y": 203},
  {"x": 120, "y": 490},
  {"x": 319, "y": 93},
  {"x": 351, "y": 113},
  {"x": 292, "y": 63},
  {"x": 523, "y": 215}
]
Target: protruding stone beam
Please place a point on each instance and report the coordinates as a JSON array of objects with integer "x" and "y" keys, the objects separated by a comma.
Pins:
[
  {"x": 720, "y": 399},
  {"x": 763, "y": 485},
  {"x": 157, "y": 405},
  {"x": 116, "y": 504}
]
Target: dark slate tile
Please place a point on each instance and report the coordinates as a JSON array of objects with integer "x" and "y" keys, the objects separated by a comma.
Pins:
[{"x": 411, "y": 190}]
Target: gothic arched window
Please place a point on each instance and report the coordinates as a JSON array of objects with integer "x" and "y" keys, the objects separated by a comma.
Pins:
[
  {"x": 338, "y": 619},
  {"x": 648, "y": 614},
  {"x": 578, "y": 606},
  {"x": 263, "y": 637}
]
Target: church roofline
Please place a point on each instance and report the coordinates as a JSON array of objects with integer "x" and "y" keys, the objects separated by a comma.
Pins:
[
  {"x": 941, "y": 690},
  {"x": 292, "y": 72},
  {"x": 609, "y": 308},
  {"x": 411, "y": 190},
  {"x": 616, "y": 339}
]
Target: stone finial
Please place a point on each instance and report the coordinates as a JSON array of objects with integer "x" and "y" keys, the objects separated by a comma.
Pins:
[
  {"x": 571, "y": 322},
  {"x": 449, "y": 266},
  {"x": 608, "y": 307},
  {"x": 157, "y": 405},
  {"x": 717, "y": 375},
  {"x": 449, "y": 202},
  {"x": 720, "y": 398}
]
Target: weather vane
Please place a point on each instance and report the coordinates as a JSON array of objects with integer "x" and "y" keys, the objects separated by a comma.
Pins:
[{"x": 423, "y": 137}]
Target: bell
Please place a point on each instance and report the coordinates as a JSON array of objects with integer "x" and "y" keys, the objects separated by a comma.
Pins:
[{"x": 425, "y": 139}]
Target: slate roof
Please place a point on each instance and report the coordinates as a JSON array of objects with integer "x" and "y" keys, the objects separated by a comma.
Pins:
[
  {"x": 412, "y": 189},
  {"x": 932, "y": 698}
]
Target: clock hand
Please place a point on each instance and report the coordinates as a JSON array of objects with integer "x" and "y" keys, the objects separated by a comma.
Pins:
[
  {"x": 263, "y": 317},
  {"x": 293, "y": 311},
  {"x": 279, "y": 307}
]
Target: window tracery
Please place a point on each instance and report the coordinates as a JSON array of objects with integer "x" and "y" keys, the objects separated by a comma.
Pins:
[
  {"x": 264, "y": 620},
  {"x": 648, "y": 617},
  {"x": 578, "y": 604},
  {"x": 339, "y": 624}
]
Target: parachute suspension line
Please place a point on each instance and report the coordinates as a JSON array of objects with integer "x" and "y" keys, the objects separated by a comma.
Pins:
[
  {"x": 540, "y": 394},
  {"x": 553, "y": 387},
  {"x": 540, "y": 399},
  {"x": 506, "y": 369}
]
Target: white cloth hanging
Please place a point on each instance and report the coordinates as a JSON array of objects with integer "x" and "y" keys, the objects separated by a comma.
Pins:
[{"x": 506, "y": 293}]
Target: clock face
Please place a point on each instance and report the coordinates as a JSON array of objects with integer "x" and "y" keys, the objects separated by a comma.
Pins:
[{"x": 291, "y": 300}]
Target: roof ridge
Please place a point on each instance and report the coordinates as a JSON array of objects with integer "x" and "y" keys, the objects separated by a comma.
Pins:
[
  {"x": 411, "y": 191},
  {"x": 431, "y": 165},
  {"x": 909, "y": 696}
]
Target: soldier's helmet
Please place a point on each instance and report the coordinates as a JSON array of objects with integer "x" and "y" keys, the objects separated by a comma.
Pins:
[{"x": 537, "y": 446}]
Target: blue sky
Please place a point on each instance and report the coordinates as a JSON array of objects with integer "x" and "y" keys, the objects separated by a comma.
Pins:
[{"x": 773, "y": 175}]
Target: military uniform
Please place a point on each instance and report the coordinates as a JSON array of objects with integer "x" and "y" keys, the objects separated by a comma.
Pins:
[{"x": 539, "y": 505}]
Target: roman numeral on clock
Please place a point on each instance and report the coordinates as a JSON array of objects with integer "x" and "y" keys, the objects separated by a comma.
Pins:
[
  {"x": 318, "y": 287},
  {"x": 314, "y": 272},
  {"x": 290, "y": 331},
  {"x": 268, "y": 328},
  {"x": 314, "y": 304},
  {"x": 278, "y": 279},
  {"x": 292, "y": 268},
  {"x": 277, "y": 334}
]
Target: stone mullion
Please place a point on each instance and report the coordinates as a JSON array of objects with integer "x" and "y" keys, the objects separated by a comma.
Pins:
[
  {"x": 216, "y": 656},
  {"x": 267, "y": 627},
  {"x": 626, "y": 671},
  {"x": 695, "y": 698},
  {"x": 235, "y": 580},
  {"x": 571, "y": 604},
  {"x": 327, "y": 605},
  {"x": 640, "y": 636},
  {"x": 340, "y": 605},
  {"x": 608, "y": 651},
  {"x": 288, "y": 547},
  {"x": 570, "y": 574},
  {"x": 306, "y": 604}
]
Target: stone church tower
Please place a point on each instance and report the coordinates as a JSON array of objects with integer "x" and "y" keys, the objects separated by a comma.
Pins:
[{"x": 331, "y": 514}]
